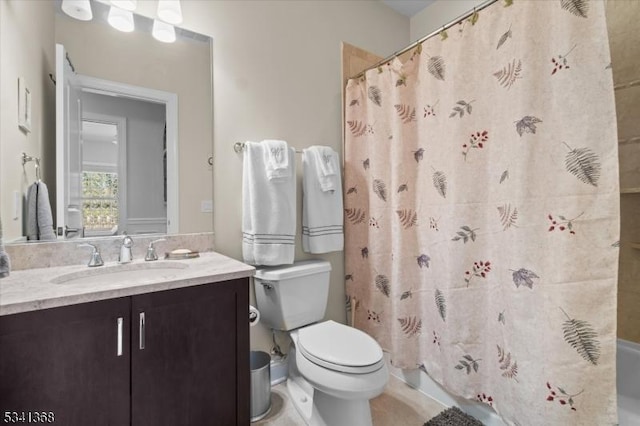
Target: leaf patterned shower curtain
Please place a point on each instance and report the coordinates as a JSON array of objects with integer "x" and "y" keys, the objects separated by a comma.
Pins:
[{"x": 482, "y": 211}]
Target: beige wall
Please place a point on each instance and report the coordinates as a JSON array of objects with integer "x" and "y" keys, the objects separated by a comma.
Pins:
[
  {"x": 622, "y": 19},
  {"x": 26, "y": 31},
  {"x": 277, "y": 75},
  {"x": 183, "y": 67}
]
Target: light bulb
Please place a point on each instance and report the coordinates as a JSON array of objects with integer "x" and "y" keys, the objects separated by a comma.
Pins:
[
  {"x": 78, "y": 9},
  {"x": 163, "y": 32},
  {"x": 125, "y": 4},
  {"x": 170, "y": 11},
  {"x": 121, "y": 19}
]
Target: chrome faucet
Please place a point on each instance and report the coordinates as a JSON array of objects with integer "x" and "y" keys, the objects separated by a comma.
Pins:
[
  {"x": 151, "y": 251},
  {"x": 96, "y": 258},
  {"x": 125, "y": 250}
]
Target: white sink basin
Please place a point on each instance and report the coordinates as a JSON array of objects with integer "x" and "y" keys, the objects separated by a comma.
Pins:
[{"x": 122, "y": 273}]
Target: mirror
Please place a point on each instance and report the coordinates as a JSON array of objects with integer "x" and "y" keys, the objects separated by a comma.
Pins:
[{"x": 138, "y": 197}]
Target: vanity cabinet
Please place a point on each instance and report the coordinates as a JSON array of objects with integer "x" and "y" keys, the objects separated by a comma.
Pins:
[
  {"x": 190, "y": 356},
  {"x": 183, "y": 360},
  {"x": 63, "y": 361}
]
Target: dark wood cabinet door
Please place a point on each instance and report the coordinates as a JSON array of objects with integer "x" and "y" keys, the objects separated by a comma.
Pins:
[
  {"x": 65, "y": 361},
  {"x": 190, "y": 356}
]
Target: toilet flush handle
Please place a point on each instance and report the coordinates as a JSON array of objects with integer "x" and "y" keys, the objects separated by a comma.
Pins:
[{"x": 268, "y": 285}]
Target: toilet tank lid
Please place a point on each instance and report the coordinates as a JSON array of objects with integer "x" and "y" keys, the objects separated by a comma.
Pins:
[{"x": 298, "y": 269}]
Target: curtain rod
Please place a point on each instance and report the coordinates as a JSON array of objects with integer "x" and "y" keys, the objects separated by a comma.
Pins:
[{"x": 428, "y": 36}]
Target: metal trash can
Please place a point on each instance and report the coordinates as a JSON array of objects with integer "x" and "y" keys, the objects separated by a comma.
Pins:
[{"x": 260, "y": 385}]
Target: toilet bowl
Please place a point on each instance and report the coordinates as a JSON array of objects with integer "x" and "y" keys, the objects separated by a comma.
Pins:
[
  {"x": 334, "y": 370},
  {"x": 342, "y": 377}
]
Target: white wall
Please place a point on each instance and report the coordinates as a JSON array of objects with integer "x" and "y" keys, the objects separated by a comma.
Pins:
[
  {"x": 438, "y": 14},
  {"x": 98, "y": 154},
  {"x": 145, "y": 128},
  {"x": 277, "y": 75},
  {"x": 26, "y": 31}
]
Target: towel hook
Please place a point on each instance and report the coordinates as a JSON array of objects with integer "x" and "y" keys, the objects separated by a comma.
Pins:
[{"x": 26, "y": 158}]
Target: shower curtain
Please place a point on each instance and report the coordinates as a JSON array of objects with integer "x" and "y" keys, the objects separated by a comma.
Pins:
[{"x": 482, "y": 211}]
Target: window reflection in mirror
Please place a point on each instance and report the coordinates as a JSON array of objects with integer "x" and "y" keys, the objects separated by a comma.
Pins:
[{"x": 100, "y": 178}]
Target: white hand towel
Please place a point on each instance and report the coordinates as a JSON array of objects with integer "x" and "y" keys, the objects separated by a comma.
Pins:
[
  {"x": 322, "y": 213},
  {"x": 268, "y": 210},
  {"x": 326, "y": 160},
  {"x": 5, "y": 263},
  {"x": 276, "y": 158},
  {"x": 39, "y": 217}
]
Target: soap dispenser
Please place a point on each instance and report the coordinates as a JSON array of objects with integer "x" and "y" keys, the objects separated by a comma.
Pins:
[{"x": 125, "y": 250}]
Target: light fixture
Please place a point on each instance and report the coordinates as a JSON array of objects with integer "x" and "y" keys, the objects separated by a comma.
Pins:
[
  {"x": 125, "y": 4},
  {"x": 163, "y": 32},
  {"x": 79, "y": 9},
  {"x": 170, "y": 11},
  {"x": 121, "y": 19}
]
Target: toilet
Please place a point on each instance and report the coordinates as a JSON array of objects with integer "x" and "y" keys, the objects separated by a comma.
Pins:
[{"x": 334, "y": 369}]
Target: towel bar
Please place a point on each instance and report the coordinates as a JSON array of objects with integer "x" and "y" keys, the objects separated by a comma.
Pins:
[{"x": 239, "y": 147}]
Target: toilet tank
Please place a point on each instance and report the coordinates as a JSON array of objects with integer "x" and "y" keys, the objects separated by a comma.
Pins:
[{"x": 292, "y": 296}]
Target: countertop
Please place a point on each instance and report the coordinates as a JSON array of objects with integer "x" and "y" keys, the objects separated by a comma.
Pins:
[{"x": 33, "y": 289}]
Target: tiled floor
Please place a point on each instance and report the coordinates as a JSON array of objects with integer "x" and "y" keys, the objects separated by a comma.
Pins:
[{"x": 399, "y": 405}]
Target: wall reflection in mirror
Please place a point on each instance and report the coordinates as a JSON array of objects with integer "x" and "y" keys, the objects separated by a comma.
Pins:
[{"x": 135, "y": 115}]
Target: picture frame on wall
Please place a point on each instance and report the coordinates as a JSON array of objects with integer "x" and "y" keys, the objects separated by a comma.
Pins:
[{"x": 24, "y": 106}]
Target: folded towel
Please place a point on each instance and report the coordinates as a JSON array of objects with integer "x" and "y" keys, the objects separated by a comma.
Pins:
[
  {"x": 276, "y": 158},
  {"x": 327, "y": 160},
  {"x": 322, "y": 214},
  {"x": 39, "y": 217},
  {"x": 326, "y": 166},
  {"x": 268, "y": 210},
  {"x": 5, "y": 263}
]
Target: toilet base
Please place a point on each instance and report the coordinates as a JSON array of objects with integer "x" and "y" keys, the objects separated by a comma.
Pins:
[
  {"x": 318, "y": 408},
  {"x": 331, "y": 411}
]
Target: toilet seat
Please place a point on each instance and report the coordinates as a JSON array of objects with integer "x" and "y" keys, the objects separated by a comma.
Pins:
[{"x": 340, "y": 348}]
